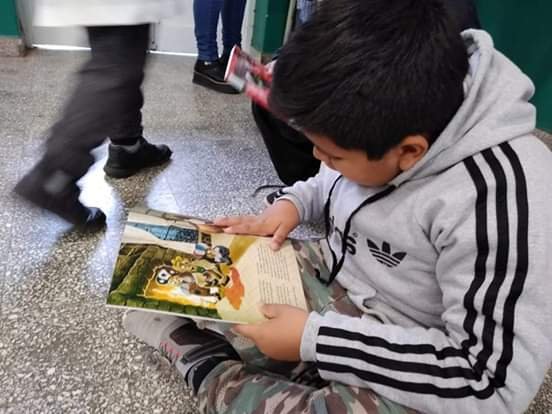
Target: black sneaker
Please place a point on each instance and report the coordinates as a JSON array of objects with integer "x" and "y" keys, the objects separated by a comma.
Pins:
[
  {"x": 59, "y": 194},
  {"x": 273, "y": 197},
  {"x": 122, "y": 163},
  {"x": 211, "y": 75}
]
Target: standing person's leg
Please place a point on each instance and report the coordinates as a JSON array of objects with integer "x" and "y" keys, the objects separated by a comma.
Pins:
[
  {"x": 206, "y": 17},
  {"x": 132, "y": 43},
  {"x": 129, "y": 152},
  {"x": 208, "y": 71},
  {"x": 107, "y": 94},
  {"x": 87, "y": 119},
  {"x": 232, "y": 20}
]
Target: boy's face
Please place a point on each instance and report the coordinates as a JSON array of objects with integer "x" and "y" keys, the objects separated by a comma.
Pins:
[{"x": 354, "y": 164}]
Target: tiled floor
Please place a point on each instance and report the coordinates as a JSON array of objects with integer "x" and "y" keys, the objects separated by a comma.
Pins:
[{"x": 61, "y": 349}]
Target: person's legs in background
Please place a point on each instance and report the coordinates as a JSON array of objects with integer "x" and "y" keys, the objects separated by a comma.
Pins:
[
  {"x": 208, "y": 70},
  {"x": 232, "y": 20},
  {"x": 107, "y": 96},
  {"x": 206, "y": 17},
  {"x": 129, "y": 152}
]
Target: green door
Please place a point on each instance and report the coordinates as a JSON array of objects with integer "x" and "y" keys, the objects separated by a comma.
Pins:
[
  {"x": 522, "y": 31},
  {"x": 269, "y": 25},
  {"x": 8, "y": 19}
]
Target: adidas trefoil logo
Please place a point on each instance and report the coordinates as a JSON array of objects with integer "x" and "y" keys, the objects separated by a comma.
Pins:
[{"x": 384, "y": 255}]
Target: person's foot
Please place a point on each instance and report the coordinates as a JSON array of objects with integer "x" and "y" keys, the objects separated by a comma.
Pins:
[
  {"x": 211, "y": 75},
  {"x": 224, "y": 58},
  {"x": 273, "y": 197},
  {"x": 127, "y": 160},
  {"x": 58, "y": 193},
  {"x": 194, "y": 352}
]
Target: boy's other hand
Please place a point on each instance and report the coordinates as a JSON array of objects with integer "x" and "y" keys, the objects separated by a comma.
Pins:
[
  {"x": 277, "y": 221},
  {"x": 280, "y": 336}
]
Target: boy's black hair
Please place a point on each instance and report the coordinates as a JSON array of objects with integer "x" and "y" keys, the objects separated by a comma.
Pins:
[{"x": 368, "y": 73}]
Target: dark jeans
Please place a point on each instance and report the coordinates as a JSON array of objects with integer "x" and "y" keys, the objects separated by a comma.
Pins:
[
  {"x": 106, "y": 102},
  {"x": 206, "y": 16}
]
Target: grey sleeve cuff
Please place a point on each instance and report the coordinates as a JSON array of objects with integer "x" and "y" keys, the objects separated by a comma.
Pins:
[{"x": 308, "y": 340}]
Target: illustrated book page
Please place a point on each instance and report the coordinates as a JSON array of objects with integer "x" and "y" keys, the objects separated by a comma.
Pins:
[{"x": 186, "y": 266}]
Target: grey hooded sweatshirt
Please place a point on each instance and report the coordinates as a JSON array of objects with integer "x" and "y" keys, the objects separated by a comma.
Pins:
[{"x": 454, "y": 254}]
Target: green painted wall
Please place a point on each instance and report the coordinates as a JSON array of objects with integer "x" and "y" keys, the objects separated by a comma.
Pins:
[
  {"x": 522, "y": 31},
  {"x": 269, "y": 25},
  {"x": 8, "y": 19}
]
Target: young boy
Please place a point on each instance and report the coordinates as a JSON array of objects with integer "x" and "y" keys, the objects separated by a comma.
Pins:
[{"x": 439, "y": 227}]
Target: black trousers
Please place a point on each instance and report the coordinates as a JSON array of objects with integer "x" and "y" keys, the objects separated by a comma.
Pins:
[
  {"x": 291, "y": 152},
  {"x": 106, "y": 102}
]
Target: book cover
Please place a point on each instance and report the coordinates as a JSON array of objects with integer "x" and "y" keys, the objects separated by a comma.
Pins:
[{"x": 186, "y": 266}]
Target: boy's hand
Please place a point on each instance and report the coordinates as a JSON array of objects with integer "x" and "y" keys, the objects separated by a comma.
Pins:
[
  {"x": 280, "y": 337},
  {"x": 277, "y": 221}
]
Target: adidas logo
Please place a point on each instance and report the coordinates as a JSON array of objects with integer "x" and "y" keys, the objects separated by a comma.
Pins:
[{"x": 384, "y": 255}]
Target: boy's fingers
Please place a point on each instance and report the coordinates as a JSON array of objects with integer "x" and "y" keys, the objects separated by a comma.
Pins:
[
  {"x": 270, "y": 311},
  {"x": 221, "y": 221},
  {"x": 229, "y": 221},
  {"x": 247, "y": 331},
  {"x": 240, "y": 228},
  {"x": 279, "y": 237}
]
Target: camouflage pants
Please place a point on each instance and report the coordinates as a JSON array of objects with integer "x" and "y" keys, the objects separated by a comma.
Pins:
[{"x": 263, "y": 386}]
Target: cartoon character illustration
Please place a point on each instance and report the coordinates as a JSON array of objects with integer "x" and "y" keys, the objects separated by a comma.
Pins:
[
  {"x": 163, "y": 274},
  {"x": 216, "y": 254},
  {"x": 197, "y": 284},
  {"x": 222, "y": 255}
]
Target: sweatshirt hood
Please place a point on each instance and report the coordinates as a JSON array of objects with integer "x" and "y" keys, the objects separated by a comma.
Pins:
[{"x": 496, "y": 109}]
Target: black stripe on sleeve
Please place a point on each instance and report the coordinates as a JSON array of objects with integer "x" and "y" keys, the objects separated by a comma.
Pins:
[
  {"x": 403, "y": 366},
  {"x": 501, "y": 260},
  {"x": 522, "y": 266},
  {"x": 417, "y": 387},
  {"x": 374, "y": 341},
  {"x": 482, "y": 243}
]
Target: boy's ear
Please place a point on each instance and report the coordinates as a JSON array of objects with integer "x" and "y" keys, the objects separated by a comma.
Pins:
[{"x": 411, "y": 150}]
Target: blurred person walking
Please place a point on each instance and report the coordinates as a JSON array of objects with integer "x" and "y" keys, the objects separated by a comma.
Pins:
[{"x": 106, "y": 102}]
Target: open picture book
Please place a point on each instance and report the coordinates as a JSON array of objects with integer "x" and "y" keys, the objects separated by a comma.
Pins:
[{"x": 187, "y": 266}]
